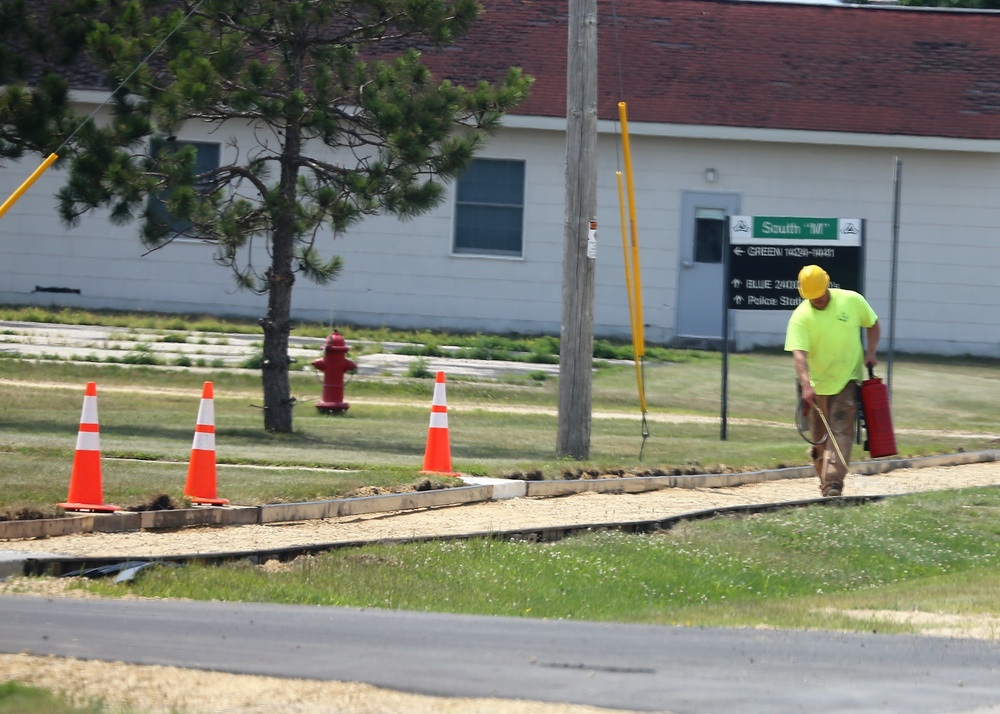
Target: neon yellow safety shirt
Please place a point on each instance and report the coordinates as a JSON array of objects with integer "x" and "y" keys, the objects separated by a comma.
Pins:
[{"x": 832, "y": 339}]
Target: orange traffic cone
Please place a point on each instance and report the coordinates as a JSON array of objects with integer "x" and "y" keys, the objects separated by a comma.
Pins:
[
  {"x": 437, "y": 456},
  {"x": 85, "y": 490},
  {"x": 200, "y": 486}
]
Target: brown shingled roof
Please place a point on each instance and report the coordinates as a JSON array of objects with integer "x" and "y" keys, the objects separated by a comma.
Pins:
[
  {"x": 737, "y": 63},
  {"x": 882, "y": 70}
]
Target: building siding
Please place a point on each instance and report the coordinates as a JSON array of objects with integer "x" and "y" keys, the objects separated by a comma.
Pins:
[{"x": 404, "y": 273}]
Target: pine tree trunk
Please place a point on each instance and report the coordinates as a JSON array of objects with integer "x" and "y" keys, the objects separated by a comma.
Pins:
[
  {"x": 277, "y": 325},
  {"x": 278, "y": 402}
]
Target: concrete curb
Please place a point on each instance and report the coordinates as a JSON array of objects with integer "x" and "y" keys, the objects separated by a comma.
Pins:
[
  {"x": 374, "y": 504},
  {"x": 478, "y": 490}
]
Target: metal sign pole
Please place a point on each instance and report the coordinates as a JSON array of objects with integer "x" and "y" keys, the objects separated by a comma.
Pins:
[
  {"x": 897, "y": 180},
  {"x": 725, "y": 328}
]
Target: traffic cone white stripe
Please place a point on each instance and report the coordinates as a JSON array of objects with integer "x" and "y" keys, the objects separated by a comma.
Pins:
[
  {"x": 89, "y": 436},
  {"x": 439, "y": 420},
  {"x": 204, "y": 430},
  {"x": 88, "y": 416},
  {"x": 206, "y": 412},
  {"x": 439, "y": 404},
  {"x": 88, "y": 439},
  {"x": 204, "y": 441}
]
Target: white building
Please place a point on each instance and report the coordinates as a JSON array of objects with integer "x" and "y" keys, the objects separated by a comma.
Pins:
[{"x": 735, "y": 107}]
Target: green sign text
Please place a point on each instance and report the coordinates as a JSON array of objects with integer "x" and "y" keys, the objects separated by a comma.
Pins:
[{"x": 795, "y": 228}]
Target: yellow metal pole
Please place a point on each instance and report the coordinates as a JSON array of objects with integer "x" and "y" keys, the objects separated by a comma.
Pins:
[
  {"x": 633, "y": 229},
  {"x": 632, "y": 266},
  {"x": 626, "y": 258},
  {"x": 27, "y": 184}
]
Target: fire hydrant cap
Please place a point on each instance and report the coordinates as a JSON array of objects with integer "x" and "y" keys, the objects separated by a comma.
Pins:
[{"x": 336, "y": 342}]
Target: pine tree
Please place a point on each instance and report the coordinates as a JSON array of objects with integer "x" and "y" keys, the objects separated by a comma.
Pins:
[
  {"x": 348, "y": 122},
  {"x": 38, "y": 41}
]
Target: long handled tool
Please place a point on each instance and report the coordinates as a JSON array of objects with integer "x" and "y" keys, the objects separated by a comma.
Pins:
[
  {"x": 836, "y": 446},
  {"x": 802, "y": 422}
]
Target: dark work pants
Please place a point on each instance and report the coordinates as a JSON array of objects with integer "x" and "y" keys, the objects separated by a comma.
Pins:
[{"x": 841, "y": 411}]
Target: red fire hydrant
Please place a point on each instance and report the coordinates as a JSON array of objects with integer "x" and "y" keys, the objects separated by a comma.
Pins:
[{"x": 334, "y": 364}]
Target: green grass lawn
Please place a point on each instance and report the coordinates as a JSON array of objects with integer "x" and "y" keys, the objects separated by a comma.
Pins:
[
  {"x": 801, "y": 568},
  {"x": 496, "y": 427},
  {"x": 17, "y": 698}
]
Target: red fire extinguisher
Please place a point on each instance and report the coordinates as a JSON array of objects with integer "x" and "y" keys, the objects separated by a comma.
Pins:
[{"x": 881, "y": 439}]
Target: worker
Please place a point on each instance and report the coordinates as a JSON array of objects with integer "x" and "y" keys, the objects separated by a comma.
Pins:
[{"x": 824, "y": 337}]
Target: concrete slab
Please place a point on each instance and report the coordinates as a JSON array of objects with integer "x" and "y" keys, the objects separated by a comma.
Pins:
[
  {"x": 500, "y": 488},
  {"x": 396, "y": 364},
  {"x": 89, "y": 342}
]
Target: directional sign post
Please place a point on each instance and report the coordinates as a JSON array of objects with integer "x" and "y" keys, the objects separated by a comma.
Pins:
[{"x": 763, "y": 257}]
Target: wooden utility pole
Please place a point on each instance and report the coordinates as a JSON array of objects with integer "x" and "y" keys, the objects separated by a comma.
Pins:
[{"x": 576, "y": 353}]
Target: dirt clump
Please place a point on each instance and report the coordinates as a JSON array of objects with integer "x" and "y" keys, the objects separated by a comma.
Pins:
[
  {"x": 162, "y": 502},
  {"x": 27, "y": 514}
]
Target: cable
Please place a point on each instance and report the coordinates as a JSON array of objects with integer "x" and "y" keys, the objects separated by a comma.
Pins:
[
  {"x": 5, "y": 206},
  {"x": 802, "y": 423},
  {"x": 621, "y": 84}
]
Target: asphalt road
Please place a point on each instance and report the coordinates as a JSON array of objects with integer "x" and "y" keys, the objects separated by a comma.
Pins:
[{"x": 638, "y": 667}]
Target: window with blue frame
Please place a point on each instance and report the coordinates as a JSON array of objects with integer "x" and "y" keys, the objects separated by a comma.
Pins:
[
  {"x": 489, "y": 208},
  {"x": 207, "y": 159}
]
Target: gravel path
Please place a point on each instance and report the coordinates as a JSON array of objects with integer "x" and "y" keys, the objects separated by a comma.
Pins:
[{"x": 513, "y": 514}]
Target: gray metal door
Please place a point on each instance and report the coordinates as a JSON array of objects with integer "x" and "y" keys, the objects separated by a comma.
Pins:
[{"x": 701, "y": 275}]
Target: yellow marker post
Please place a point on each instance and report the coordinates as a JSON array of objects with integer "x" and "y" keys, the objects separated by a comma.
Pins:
[
  {"x": 632, "y": 317},
  {"x": 626, "y": 257},
  {"x": 27, "y": 184},
  {"x": 633, "y": 229},
  {"x": 632, "y": 266}
]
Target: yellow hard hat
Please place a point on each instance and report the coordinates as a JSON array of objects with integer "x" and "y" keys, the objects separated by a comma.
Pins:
[{"x": 813, "y": 282}]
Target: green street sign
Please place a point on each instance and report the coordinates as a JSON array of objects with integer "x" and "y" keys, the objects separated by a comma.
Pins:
[
  {"x": 764, "y": 255},
  {"x": 794, "y": 228},
  {"x": 782, "y": 232}
]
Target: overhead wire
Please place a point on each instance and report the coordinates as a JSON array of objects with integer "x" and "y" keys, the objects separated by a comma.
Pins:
[{"x": 55, "y": 154}]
